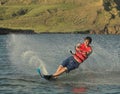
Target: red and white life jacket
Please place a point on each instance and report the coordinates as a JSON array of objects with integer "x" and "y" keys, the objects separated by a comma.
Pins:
[{"x": 80, "y": 55}]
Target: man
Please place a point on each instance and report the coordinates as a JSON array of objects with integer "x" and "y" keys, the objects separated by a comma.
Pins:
[{"x": 82, "y": 51}]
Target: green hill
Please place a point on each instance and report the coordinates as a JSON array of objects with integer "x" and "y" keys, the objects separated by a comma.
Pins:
[{"x": 91, "y": 16}]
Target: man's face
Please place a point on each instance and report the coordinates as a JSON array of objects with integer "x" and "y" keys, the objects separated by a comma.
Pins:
[{"x": 86, "y": 42}]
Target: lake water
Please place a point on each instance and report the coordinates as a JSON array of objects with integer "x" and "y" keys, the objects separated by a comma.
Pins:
[{"x": 21, "y": 55}]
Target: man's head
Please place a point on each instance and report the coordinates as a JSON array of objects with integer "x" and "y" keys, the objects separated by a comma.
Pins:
[{"x": 88, "y": 40}]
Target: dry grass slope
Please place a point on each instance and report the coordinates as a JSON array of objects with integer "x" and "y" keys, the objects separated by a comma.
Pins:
[{"x": 61, "y": 15}]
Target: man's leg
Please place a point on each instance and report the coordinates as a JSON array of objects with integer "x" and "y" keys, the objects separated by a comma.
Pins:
[
  {"x": 59, "y": 68},
  {"x": 62, "y": 68},
  {"x": 60, "y": 71}
]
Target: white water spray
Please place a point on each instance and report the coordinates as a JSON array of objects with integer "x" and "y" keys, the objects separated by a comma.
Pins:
[
  {"x": 23, "y": 55},
  {"x": 34, "y": 60}
]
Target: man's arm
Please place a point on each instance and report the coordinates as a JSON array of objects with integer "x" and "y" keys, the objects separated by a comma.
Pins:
[
  {"x": 77, "y": 47},
  {"x": 88, "y": 53}
]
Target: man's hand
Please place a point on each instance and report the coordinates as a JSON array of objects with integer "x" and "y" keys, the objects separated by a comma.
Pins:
[{"x": 77, "y": 47}]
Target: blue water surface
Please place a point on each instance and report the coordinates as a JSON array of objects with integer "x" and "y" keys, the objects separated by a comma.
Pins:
[{"x": 21, "y": 55}]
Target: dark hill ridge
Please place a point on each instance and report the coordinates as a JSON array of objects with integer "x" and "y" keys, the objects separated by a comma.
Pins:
[
  {"x": 63, "y": 16},
  {"x": 4, "y": 31}
]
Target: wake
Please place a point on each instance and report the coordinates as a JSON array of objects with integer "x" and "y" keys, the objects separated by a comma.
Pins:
[
  {"x": 24, "y": 56},
  {"x": 34, "y": 61}
]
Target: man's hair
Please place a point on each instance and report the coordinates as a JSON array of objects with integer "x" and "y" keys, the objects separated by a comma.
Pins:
[{"x": 88, "y": 38}]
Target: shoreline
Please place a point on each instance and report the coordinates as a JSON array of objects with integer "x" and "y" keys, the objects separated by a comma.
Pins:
[{"x": 5, "y": 31}]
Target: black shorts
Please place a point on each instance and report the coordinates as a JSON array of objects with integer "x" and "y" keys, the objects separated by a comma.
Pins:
[{"x": 70, "y": 63}]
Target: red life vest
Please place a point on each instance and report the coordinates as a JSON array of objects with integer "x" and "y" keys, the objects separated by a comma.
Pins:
[{"x": 80, "y": 55}]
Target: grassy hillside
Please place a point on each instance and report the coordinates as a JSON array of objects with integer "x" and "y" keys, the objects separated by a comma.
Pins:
[{"x": 96, "y": 16}]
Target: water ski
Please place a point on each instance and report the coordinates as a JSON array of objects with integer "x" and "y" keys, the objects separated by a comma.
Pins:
[{"x": 46, "y": 77}]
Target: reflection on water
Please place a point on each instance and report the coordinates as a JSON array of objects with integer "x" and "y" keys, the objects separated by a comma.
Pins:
[{"x": 79, "y": 90}]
